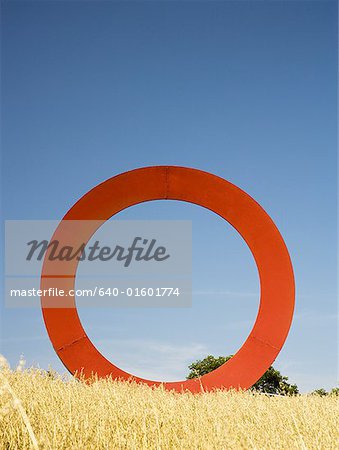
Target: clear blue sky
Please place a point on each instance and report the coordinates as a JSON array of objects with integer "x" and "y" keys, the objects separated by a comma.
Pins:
[{"x": 245, "y": 90}]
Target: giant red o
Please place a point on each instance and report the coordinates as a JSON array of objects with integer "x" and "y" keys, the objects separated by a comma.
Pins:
[{"x": 275, "y": 313}]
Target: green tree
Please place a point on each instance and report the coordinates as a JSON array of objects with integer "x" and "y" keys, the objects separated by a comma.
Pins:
[
  {"x": 321, "y": 392},
  {"x": 272, "y": 382},
  {"x": 206, "y": 365}
]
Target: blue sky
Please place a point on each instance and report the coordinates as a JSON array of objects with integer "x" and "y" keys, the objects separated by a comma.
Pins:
[{"x": 245, "y": 90}]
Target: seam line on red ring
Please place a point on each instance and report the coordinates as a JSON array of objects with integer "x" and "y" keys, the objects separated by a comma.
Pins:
[
  {"x": 71, "y": 343},
  {"x": 264, "y": 342}
]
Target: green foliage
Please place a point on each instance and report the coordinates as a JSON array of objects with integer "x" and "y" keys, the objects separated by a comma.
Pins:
[
  {"x": 321, "y": 392},
  {"x": 335, "y": 391},
  {"x": 272, "y": 382},
  {"x": 206, "y": 365}
]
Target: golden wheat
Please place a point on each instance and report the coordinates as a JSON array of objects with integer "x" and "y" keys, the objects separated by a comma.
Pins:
[{"x": 38, "y": 410}]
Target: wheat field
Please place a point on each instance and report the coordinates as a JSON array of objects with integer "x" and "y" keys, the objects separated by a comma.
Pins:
[{"x": 39, "y": 411}]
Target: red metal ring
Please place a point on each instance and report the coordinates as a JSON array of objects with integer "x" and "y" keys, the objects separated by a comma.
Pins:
[{"x": 274, "y": 318}]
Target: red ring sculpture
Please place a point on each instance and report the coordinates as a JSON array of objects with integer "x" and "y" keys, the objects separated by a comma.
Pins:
[{"x": 274, "y": 318}]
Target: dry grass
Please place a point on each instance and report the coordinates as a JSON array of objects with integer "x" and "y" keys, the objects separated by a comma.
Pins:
[{"x": 111, "y": 415}]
